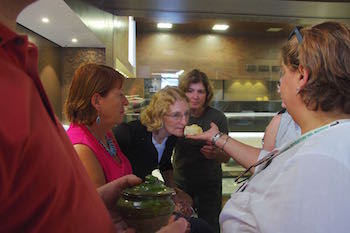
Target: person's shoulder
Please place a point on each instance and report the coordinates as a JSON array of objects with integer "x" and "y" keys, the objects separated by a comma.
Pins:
[
  {"x": 16, "y": 101},
  {"x": 75, "y": 129},
  {"x": 132, "y": 127},
  {"x": 135, "y": 125},
  {"x": 172, "y": 139},
  {"x": 216, "y": 113},
  {"x": 213, "y": 110},
  {"x": 77, "y": 134},
  {"x": 275, "y": 120}
]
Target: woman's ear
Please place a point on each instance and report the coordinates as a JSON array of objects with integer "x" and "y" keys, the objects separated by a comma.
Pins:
[
  {"x": 304, "y": 76},
  {"x": 95, "y": 101}
]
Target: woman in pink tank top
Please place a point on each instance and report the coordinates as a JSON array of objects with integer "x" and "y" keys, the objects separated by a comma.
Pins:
[{"x": 95, "y": 104}]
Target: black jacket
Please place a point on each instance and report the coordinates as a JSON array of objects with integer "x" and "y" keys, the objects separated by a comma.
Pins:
[{"x": 136, "y": 143}]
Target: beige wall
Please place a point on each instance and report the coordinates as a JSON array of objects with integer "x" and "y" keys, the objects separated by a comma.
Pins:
[
  {"x": 49, "y": 67},
  {"x": 220, "y": 56},
  {"x": 134, "y": 86},
  {"x": 57, "y": 65}
]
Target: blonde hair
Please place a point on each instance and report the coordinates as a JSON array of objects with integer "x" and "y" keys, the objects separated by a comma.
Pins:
[
  {"x": 152, "y": 115},
  {"x": 89, "y": 79}
]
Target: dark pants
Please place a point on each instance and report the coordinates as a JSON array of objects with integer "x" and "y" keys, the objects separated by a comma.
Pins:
[
  {"x": 197, "y": 225},
  {"x": 207, "y": 202}
]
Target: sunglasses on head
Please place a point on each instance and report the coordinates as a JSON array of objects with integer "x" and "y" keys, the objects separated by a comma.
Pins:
[{"x": 296, "y": 32}]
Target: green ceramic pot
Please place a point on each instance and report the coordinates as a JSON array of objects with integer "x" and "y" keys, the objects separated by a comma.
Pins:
[{"x": 148, "y": 206}]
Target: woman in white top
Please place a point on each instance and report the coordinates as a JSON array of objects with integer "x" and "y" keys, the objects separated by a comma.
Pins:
[{"x": 305, "y": 186}]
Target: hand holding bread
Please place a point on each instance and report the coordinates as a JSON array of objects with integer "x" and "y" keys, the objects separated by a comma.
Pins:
[{"x": 193, "y": 130}]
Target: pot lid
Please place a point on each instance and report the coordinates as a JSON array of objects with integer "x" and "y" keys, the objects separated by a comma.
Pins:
[{"x": 150, "y": 187}]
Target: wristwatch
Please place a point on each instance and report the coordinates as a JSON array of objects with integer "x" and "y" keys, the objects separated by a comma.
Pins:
[{"x": 216, "y": 137}]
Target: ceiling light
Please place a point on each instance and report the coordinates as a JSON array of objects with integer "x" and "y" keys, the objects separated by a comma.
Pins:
[
  {"x": 220, "y": 27},
  {"x": 274, "y": 29},
  {"x": 180, "y": 72},
  {"x": 164, "y": 25},
  {"x": 45, "y": 20},
  {"x": 74, "y": 40},
  {"x": 172, "y": 75}
]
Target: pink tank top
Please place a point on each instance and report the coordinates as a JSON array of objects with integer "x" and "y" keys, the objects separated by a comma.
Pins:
[{"x": 79, "y": 134}]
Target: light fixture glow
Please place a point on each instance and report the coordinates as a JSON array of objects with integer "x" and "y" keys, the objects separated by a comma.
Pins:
[
  {"x": 220, "y": 27},
  {"x": 132, "y": 42},
  {"x": 74, "y": 40},
  {"x": 164, "y": 25},
  {"x": 171, "y": 75},
  {"x": 97, "y": 24},
  {"x": 180, "y": 72},
  {"x": 45, "y": 20},
  {"x": 117, "y": 23},
  {"x": 274, "y": 29}
]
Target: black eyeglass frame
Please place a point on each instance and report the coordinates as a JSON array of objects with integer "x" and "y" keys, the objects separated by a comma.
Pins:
[
  {"x": 296, "y": 32},
  {"x": 241, "y": 178}
]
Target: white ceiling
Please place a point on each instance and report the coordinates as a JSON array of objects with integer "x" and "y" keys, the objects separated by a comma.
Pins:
[
  {"x": 63, "y": 26},
  {"x": 66, "y": 24}
]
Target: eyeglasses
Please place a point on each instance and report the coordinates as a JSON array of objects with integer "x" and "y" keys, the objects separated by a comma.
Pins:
[
  {"x": 177, "y": 116},
  {"x": 296, "y": 32},
  {"x": 240, "y": 179}
]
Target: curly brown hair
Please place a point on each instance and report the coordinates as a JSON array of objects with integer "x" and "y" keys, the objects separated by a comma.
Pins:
[
  {"x": 197, "y": 76},
  {"x": 325, "y": 53},
  {"x": 89, "y": 79},
  {"x": 152, "y": 115}
]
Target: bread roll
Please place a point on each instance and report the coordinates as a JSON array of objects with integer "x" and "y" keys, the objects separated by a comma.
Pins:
[{"x": 193, "y": 130}]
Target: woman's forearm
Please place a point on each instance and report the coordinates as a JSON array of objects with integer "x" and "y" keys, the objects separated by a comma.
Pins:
[{"x": 243, "y": 154}]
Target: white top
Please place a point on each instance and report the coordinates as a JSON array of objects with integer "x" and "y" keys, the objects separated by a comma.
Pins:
[
  {"x": 288, "y": 130},
  {"x": 305, "y": 189},
  {"x": 160, "y": 147}
]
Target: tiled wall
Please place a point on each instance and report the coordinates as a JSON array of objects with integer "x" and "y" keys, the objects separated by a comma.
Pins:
[
  {"x": 222, "y": 57},
  {"x": 57, "y": 65},
  {"x": 72, "y": 58}
]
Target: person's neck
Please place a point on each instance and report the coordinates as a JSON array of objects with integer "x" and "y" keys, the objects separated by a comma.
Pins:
[
  {"x": 160, "y": 135},
  {"x": 197, "y": 112},
  {"x": 99, "y": 131},
  {"x": 311, "y": 120}
]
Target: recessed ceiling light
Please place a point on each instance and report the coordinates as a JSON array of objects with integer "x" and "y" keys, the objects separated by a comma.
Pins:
[
  {"x": 274, "y": 29},
  {"x": 45, "y": 20},
  {"x": 74, "y": 40},
  {"x": 164, "y": 25},
  {"x": 117, "y": 23},
  {"x": 220, "y": 27}
]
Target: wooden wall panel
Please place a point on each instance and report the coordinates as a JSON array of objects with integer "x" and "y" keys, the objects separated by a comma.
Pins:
[
  {"x": 220, "y": 56},
  {"x": 49, "y": 67}
]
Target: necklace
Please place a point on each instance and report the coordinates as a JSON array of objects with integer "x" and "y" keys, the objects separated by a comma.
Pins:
[{"x": 110, "y": 147}]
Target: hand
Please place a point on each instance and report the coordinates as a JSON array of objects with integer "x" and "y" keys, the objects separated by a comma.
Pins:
[
  {"x": 209, "y": 151},
  {"x": 182, "y": 196},
  {"x": 207, "y": 135},
  {"x": 179, "y": 226},
  {"x": 110, "y": 193}
]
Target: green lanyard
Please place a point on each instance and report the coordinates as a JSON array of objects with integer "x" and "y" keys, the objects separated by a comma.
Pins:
[{"x": 273, "y": 154}]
